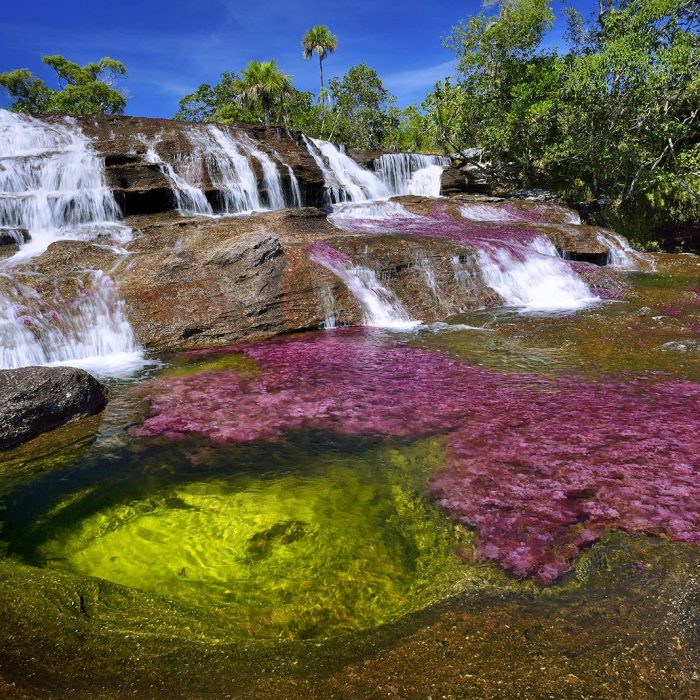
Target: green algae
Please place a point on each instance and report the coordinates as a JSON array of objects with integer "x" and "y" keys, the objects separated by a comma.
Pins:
[
  {"x": 313, "y": 544},
  {"x": 192, "y": 363},
  {"x": 621, "y": 336}
]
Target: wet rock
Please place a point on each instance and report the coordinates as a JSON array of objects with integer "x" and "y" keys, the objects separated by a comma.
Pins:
[
  {"x": 682, "y": 346},
  {"x": 12, "y": 236},
  {"x": 365, "y": 157},
  {"x": 140, "y": 187},
  {"x": 644, "y": 311},
  {"x": 34, "y": 400},
  {"x": 454, "y": 181},
  {"x": 535, "y": 195}
]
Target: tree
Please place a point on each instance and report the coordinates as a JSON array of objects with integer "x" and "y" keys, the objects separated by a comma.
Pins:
[
  {"x": 319, "y": 40},
  {"x": 264, "y": 81},
  {"x": 616, "y": 117},
  {"x": 360, "y": 108},
  {"x": 83, "y": 90},
  {"x": 225, "y": 103}
]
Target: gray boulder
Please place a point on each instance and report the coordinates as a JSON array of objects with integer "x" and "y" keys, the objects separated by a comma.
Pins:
[{"x": 34, "y": 400}]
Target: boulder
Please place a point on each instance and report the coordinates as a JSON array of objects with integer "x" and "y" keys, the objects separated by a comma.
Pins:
[
  {"x": 12, "y": 235},
  {"x": 34, "y": 400}
]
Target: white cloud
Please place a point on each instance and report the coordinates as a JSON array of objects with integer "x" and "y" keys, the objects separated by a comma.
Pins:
[{"x": 419, "y": 79}]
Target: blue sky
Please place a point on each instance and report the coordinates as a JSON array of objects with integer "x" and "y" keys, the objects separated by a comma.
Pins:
[{"x": 171, "y": 46}]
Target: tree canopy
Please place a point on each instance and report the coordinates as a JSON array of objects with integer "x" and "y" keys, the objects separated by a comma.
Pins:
[
  {"x": 87, "y": 89},
  {"x": 615, "y": 116},
  {"x": 320, "y": 41}
]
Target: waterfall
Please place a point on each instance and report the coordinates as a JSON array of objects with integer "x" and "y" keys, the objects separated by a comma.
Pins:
[
  {"x": 328, "y": 306},
  {"x": 368, "y": 215},
  {"x": 227, "y": 158},
  {"x": 294, "y": 188},
  {"x": 345, "y": 180},
  {"x": 411, "y": 173},
  {"x": 189, "y": 200},
  {"x": 532, "y": 276},
  {"x": 91, "y": 332},
  {"x": 621, "y": 254},
  {"x": 52, "y": 184},
  {"x": 379, "y": 305}
]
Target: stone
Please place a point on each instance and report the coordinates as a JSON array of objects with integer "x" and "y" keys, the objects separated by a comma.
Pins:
[
  {"x": 34, "y": 400},
  {"x": 13, "y": 236},
  {"x": 682, "y": 346}
]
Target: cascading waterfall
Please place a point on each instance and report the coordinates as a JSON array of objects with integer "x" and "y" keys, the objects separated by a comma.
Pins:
[
  {"x": 380, "y": 306},
  {"x": 621, "y": 254},
  {"x": 294, "y": 188},
  {"x": 227, "y": 158},
  {"x": 229, "y": 169},
  {"x": 411, "y": 173},
  {"x": 345, "y": 180},
  {"x": 532, "y": 276},
  {"x": 272, "y": 179},
  {"x": 52, "y": 184},
  {"x": 91, "y": 332},
  {"x": 523, "y": 267},
  {"x": 189, "y": 200}
]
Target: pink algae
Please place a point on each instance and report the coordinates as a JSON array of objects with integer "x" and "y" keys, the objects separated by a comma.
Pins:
[{"x": 539, "y": 468}]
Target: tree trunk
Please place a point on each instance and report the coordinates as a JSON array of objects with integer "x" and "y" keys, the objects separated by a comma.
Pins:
[
  {"x": 320, "y": 66},
  {"x": 266, "y": 105}
]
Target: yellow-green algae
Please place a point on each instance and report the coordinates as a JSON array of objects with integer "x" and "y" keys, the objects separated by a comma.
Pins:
[
  {"x": 346, "y": 542},
  {"x": 618, "y": 336}
]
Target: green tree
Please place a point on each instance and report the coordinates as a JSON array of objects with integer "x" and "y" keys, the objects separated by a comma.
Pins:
[
  {"x": 410, "y": 130},
  {"x": 616, "y": 117},
  {"x": 264, "y": 81},
  {"x": 224, "y": 103},
  {"x": 87, "y": 89},
  {"x": 320, "y": 41},
  {"x": 360, "y": 109}
]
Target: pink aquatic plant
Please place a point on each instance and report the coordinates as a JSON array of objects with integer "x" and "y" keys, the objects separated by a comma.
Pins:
[{"x": 538, "y": 467}]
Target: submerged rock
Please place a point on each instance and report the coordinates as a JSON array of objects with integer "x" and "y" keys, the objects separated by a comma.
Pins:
[
  {"x": 34, "y": 400},
  {"x": 682, "y": 346}
]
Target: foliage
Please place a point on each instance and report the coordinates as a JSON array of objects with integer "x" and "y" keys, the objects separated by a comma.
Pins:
[
  {"x": 615, "y": 117},
  {"x": 320, "y": 41},
  {"x": 260, "y": 94},
  {"x": 83, "y": 90},
  {"x": 359, "y": 114},
  {"x": 263, "y": 81}
]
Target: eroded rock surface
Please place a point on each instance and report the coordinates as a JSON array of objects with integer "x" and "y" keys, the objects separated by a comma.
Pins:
[{"x": 34, "y": 400}]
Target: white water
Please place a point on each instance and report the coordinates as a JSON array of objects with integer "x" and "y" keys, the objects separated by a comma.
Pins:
[
  {"x": 52, "y": 184},
  {"x": 621, "y": 254},
  {"x": 487, "y": 212},
  {"x": 91, "y": 332},
  {"x": 189, "y": 200},
  {"x": 533, "y": 277},
  {"x": 228, "y": 160},
  {"x": 366, "y": 215},
  {"x": 345, "y": 180},
  {"x": 411, "y": 173},
  {"x": 293, "y": 182},
  {"x": 380, "y": 306}
]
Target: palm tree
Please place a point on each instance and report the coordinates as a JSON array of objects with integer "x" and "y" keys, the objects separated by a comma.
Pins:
[
  {"x": 319, "y": 40},
  {"x": 264, "y": 80}
]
